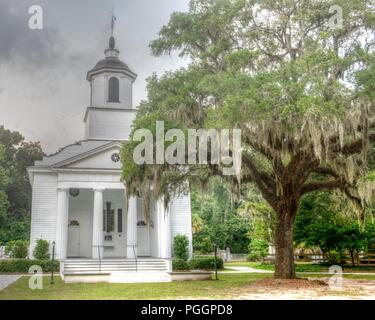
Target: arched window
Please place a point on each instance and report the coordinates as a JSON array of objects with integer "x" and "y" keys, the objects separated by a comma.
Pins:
[{"x": 113, "y": 90}]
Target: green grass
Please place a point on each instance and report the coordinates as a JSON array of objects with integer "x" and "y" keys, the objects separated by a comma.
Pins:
[
  {"x": 172, "y": 290},
  {"x": 300, "y": 267},
  {"x": 221, "y": 289}
]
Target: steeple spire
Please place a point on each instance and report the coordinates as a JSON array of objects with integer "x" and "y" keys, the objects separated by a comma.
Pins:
[
  {"x": 113, "y": 21},
  {"x": 112, "y": 42}
]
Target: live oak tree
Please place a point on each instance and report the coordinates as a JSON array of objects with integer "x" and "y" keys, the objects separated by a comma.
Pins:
[{"x": 295, "y": 76}]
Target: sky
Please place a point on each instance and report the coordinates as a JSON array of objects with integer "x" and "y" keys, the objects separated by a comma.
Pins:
[{"x": 43, "y": 87}]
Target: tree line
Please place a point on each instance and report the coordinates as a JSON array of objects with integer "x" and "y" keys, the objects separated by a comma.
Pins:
[{"x": 16, "y": 155}]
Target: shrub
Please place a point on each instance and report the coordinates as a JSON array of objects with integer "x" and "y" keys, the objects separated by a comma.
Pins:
[
  {"x": 180, "y": 247},
  {"x": 41, "y": 250},
  {"x": 17, "y": 249},
  {"x": 206, "y": 263},
  {"x": 23, "y": 265},
  {"x": 180, "y": 264},
  {"x": 258, "y": 250}
]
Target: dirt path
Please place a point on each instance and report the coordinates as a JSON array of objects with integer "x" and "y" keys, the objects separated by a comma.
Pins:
[{"x": 350, "y": 290}]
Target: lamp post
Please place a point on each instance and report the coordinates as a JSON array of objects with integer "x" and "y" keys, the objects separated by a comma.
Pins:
[
  {"x": 215, "y": 248},
  {"x": 53, "y": 262}
]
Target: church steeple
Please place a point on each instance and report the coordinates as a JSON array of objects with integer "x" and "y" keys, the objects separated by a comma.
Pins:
[
  {"x": 111, "y": 83},
  {"x": 111, "y": 63}
]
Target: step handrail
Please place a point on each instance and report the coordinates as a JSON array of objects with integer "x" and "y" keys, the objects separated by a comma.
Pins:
[
  {"x": 99, "y": 256},
  {"x": 136, "y": 258}
]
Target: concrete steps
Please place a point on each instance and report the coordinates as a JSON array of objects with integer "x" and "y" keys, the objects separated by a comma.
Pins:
[
  {"x": 90, "y": 266},
  {"x": 115, "y": 270}
]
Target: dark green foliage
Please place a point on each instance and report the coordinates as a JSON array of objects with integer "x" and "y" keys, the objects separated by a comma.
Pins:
[
  {"x": 206, "y": 263},
  {"x": 17, "y": 249},
  {"x": 41, "y": 250},
  {"x": 258, "y": 250},
  {"x": 180, "y": 247},
  {"x": 23, "y": 265},
  {"x": 15, "y": 195},
  {"x": 180, "y": 264},
  {"x": 323, "y": 222},
  {"x": 216, "y": 221}
]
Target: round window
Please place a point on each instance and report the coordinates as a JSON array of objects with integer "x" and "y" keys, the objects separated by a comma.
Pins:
[{"x": 115, "y": 157}]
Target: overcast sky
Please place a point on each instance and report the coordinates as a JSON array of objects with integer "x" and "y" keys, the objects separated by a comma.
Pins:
[{"x": 43, "y": 87}]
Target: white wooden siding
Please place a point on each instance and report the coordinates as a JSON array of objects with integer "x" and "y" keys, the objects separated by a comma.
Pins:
[
  {"x": 44, "y": 208},
  {"x": 181, "y": 219}
]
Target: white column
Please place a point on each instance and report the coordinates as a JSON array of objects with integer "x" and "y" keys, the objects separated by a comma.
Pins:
[
  {"x": 62, "y": 223},
  {"x": 97, "y": 227},
  {"x": 131, "y": 227},
  {"x": 164, "y": 230}
]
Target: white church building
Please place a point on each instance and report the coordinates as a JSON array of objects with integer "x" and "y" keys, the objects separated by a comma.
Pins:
[{"x": 80, "y": 204}]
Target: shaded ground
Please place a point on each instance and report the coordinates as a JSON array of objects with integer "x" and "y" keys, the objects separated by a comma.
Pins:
[{"x": 230, "y": 286}]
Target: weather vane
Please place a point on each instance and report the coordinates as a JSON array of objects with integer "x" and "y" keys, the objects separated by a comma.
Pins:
[{"x": 113, "y": 21}]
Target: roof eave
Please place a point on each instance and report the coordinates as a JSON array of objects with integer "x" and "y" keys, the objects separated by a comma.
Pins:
[{"x": 93, "y": 72}]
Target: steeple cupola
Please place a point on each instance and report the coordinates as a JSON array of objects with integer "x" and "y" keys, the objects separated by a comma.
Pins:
[
  {"x": 111, "y": 112},
  {"x": 111, "y": 80}
]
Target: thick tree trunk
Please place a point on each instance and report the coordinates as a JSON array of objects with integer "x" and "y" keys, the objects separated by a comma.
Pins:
[{"x": 284, "y": 260}]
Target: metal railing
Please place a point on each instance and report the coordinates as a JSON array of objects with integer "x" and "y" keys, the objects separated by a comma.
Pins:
[
  {"x": 134, "y": 247},
  {"x": 136, "y": 258},
  {"x": 99, "y": 256}
]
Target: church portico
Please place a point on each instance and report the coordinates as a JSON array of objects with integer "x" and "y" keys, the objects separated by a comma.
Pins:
[{"x": 98, "y": 221}]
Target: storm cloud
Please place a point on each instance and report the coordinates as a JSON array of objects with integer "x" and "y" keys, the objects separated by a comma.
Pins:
[
  {"x": 43, "y": 87},
  {"x": 22, "y": 47}
]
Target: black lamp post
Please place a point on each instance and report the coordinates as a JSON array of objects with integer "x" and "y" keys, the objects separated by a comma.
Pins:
[
  {"x": 215, "y": 248},
  {"x": 53, "y": 261}
]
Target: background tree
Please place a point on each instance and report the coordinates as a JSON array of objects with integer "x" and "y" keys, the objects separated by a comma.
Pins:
[
  {"x": 327, "y": 221},
  {"x": 297, "y": 86},
  {"x": 4, "y": 180},
  {"x": 216, "y": 220},
  {"x": 17, "y": 156}
]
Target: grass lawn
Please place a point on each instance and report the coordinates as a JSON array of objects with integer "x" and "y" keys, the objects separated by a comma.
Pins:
[
  {"x": 225, "y": 288},
  {"x": 300, "y": 267},
  {"x": 172, "y": 290}
]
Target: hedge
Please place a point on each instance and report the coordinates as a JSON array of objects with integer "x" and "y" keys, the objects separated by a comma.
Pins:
[
  {"x": 180, "y": 264},
  {"x": 206, "y": 263},
  {"x": 23, "y": 265},
  {"x": 198, "y": 264}
]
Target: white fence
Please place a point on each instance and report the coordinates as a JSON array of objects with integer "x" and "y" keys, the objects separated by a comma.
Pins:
[
  {"x": 226, "y": 255},
  {"x": 2, "y": 252}
]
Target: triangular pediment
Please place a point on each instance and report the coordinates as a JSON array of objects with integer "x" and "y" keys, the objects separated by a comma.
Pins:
[{"x": 105, "y": 157}]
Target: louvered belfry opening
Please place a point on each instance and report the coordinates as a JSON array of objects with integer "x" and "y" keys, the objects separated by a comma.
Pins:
[{"x": 113, "y": 90}]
